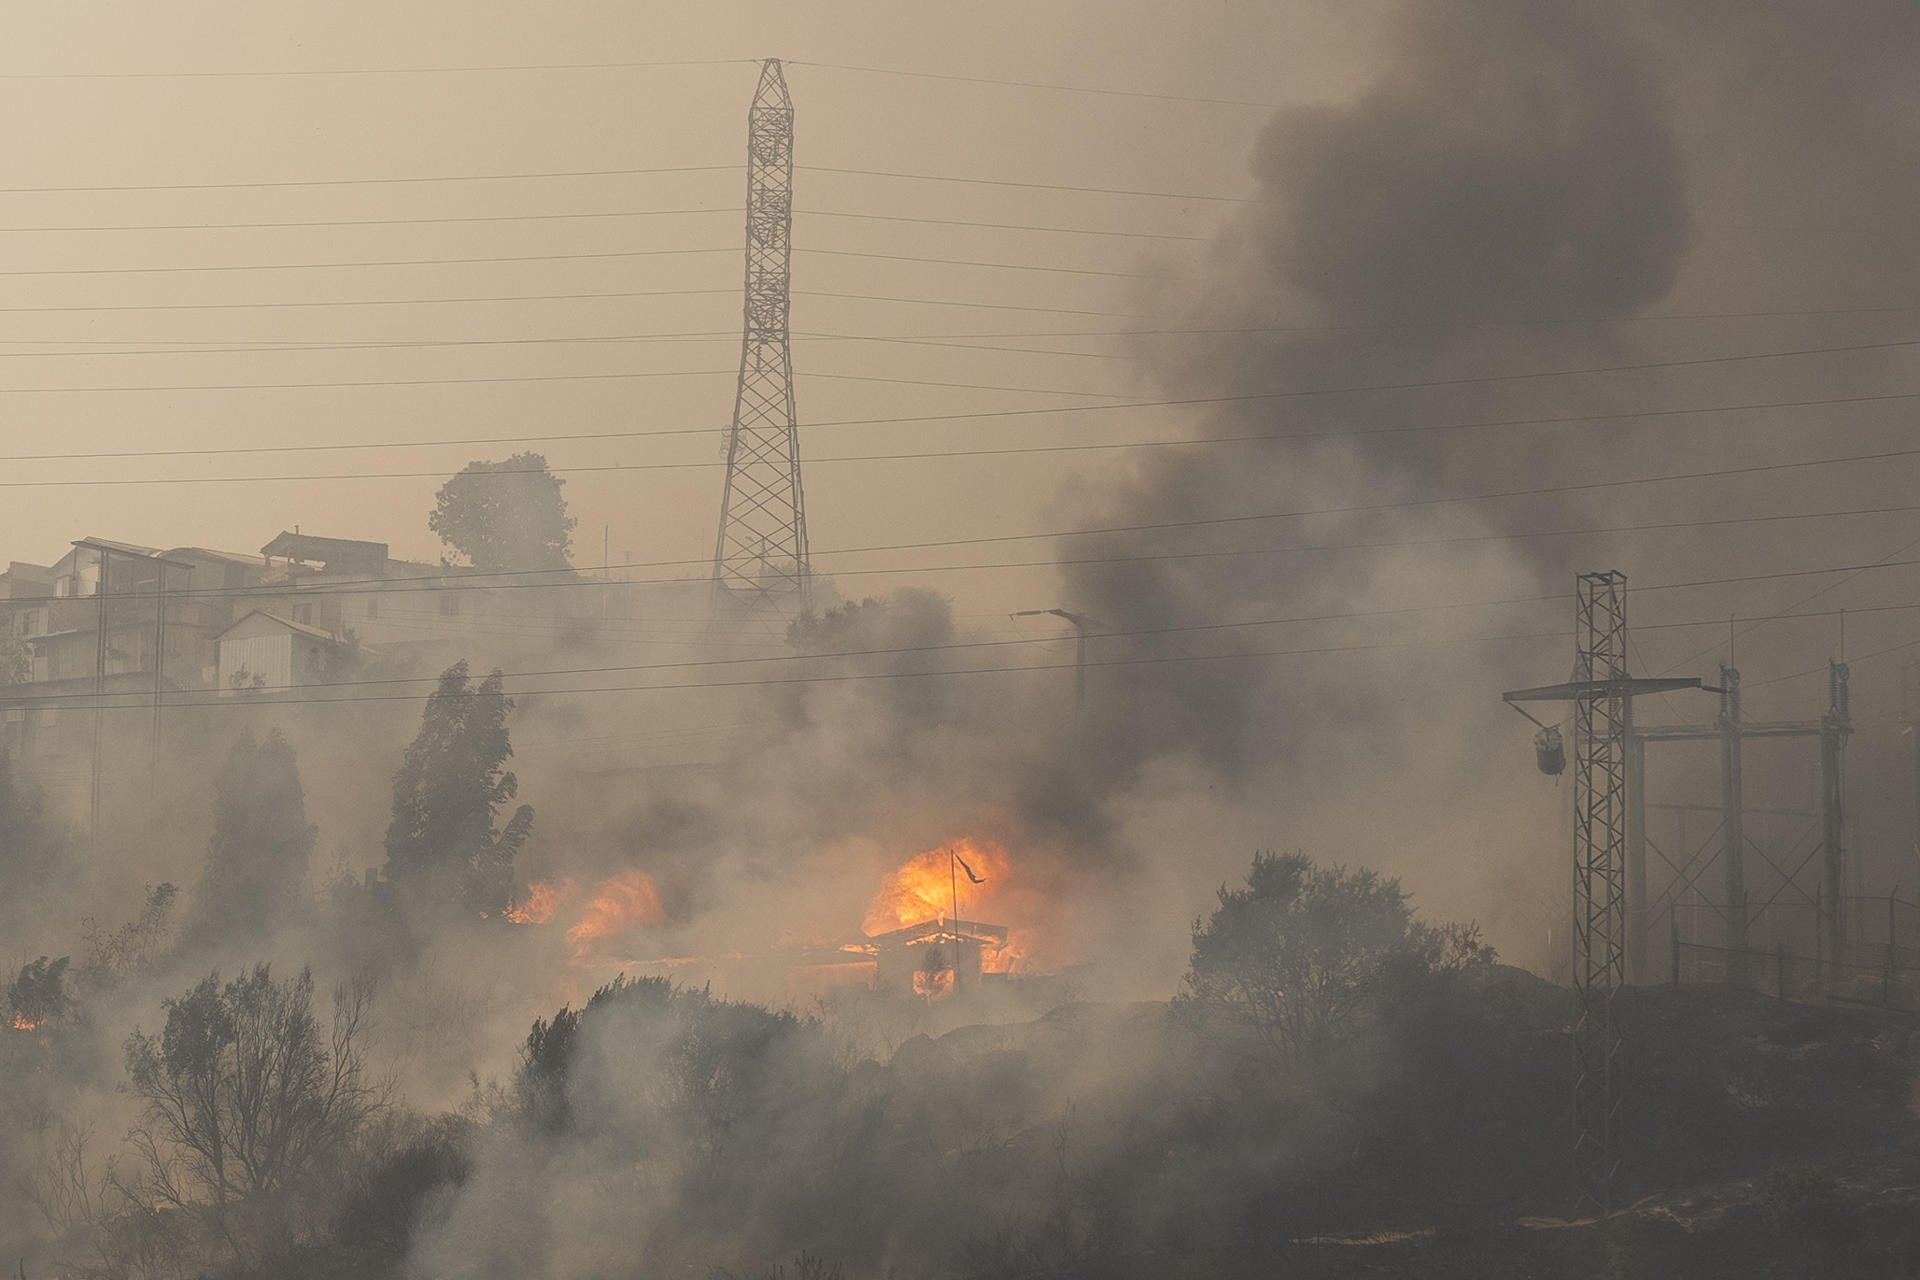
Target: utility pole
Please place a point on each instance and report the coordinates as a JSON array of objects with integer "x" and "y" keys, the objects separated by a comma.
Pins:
[
  {"x": 1602, "y": 694},
  {"x": 1733, "y": 822},
  {"x": 1910, "y": 706},
  {"x": 1835, "y": 726},
  {"x": 760, "y": 566},
  {"x": 159, "y": 670},
  {"x": 160, "y": 566},
  {"x": 99, "y": 695},
  {"x": 1081, "y": 625}
]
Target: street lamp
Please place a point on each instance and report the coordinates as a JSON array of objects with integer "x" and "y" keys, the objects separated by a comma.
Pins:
[{"x": 1081, "y": 624}]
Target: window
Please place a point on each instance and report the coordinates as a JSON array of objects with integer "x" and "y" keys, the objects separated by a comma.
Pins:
[
  {"x": 303, "y": 614},
  {"x": 373, "y": 607},
  {"x": 449, "y": 603}
]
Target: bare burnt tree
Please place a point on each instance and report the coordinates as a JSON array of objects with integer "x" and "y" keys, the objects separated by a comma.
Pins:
[{"x": 248, "y": 1101}]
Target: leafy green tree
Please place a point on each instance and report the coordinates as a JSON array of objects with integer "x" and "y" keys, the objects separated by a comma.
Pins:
[
  {"x": 248, "y": 1103},
  {"x": 505, "y": 515},
  {"x": 256, "y": 871},
  {"x": 444, "y": 842},
  {"x": 1304, "y": 956}
]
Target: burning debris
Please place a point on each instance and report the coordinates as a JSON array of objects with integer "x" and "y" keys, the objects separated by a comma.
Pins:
[
  {"x": 618, "y": 904},
  {"x": 542, "y": 901}
]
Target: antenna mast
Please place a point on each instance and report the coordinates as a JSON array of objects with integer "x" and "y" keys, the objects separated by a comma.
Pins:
[{"x": 760, "y": 566}]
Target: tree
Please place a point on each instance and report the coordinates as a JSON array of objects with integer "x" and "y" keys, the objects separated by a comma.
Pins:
[
  {"x": 29, "y": 844},
  {"x": 38, "y": 994},
  {"x": 1302, "y": 956},
  {"x": 443, "y": 842},
  {"x": 256, "y": 870},
  {"x": 505, "y": 515},
  {"x": 113, "y": 955},
  {"x": 246, "y": 1101}
]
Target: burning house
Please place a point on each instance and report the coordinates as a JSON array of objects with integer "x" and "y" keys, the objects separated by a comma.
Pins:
[{"x": 936, "y": 958}]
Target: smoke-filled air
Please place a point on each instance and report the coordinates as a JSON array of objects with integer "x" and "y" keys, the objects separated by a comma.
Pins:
[{"x": 858, "y": 643}]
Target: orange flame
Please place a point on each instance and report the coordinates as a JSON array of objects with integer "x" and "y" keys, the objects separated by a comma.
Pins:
[
  {"x": 542, "y": 901},
  {"x": 21, "y": 1022},
  {"x": 618, "y": 903},
  {"x": 925, "y": 886}
]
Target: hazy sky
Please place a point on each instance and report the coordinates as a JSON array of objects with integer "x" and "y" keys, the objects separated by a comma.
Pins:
[
  {"x": 104, "y": 131},
  {"x": 1696, "y": 201}
]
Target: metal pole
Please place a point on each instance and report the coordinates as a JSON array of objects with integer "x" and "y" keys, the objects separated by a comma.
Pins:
[
  {"x": 1733, "y": 821},
  {"x": 99, "y": 698},
  {"x": 1079, "y": 667},
  {"x": 1834, "y": 727},
  {"x": 1893, "y": 956},
  {"x": 1819, "y": 936},
  {"x": 159, "y": 672},
  {"x": 1673, "y": 940},
  {"x": 1636, "y": 789}
]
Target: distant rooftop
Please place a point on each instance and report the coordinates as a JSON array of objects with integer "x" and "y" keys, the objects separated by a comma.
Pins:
[
  {"x": 306, "y": 548},
  {"x": 300, "y": 627}
]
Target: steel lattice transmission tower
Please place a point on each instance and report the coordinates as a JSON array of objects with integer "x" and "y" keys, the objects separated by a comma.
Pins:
[
  {"x": 1600, "y": 722},
  {"x": 1602, "y": 694},
  {"x": 760, "y": 565}
]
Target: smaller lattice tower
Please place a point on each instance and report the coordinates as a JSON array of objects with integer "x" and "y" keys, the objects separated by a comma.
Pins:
[
  {"x": 1602, "y": 694},
  {"x": 760, "y": 568}
]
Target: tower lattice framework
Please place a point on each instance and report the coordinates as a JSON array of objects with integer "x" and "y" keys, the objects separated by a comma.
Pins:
[
  {"x": 1601, "y": 723},
  {"x": 760, "y": 565},
  {"x": 1604, "y": 866}
]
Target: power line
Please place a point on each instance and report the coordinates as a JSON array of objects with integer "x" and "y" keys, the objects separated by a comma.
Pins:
[
  {"x": 556, "y": 257},
  {"x": 1123, "y": 444},
  {"x": 544, "y": 175},
  {"x": 1036, "y": 84},
  {"x": 501, "y": 378},
  {"x": 603, "y": 213},
  {"x": 371, "y": 222},
  {"x": 407, "y": 344},
  {"x": 847, "y": 677},
  {"x": 377, "y": 262},
  {"x": 954, "y": 646},
  {"x": 547, "y": 297},
  {"x": 366, "y": 71},
  {"x": 999, "y": 226},
  {"x": 475, "y": 581},
  {"x": 378, "y": 182},
  {"x": 988, "y": 306},
  {"x": 1031, "y": 186},
  {"x": 368, "y": 302},
  {"x": 1006, "y": 334},
  {"x": 182, "y": 700},
  {"x": 1792, "y": 608},
  {"x": 1466, "y": 380}
]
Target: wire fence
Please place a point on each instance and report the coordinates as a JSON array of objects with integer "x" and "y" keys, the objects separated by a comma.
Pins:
[{"x": 1864, "y": 974}]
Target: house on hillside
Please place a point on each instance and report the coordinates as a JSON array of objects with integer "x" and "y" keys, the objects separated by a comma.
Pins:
[{"x": 263, "y": 652}]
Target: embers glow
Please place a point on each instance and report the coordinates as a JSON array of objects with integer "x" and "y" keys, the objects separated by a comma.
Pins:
[{"x": 21, "y": 1022}]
